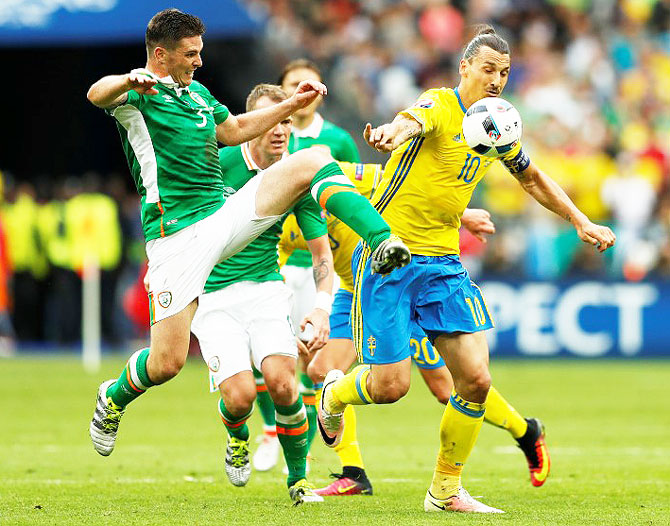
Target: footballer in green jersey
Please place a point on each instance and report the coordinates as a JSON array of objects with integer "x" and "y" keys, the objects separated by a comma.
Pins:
[
  {"x": 243, "y": 322},
  {"x": 309, "y": 129},
  {"x": 169, "y": 127}
]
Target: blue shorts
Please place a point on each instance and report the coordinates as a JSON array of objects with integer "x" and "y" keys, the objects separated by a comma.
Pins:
[
  {"x": 340, "y": 326},
  {"x": 423, "y": 353},
  {"x": 433, "y": 292}
]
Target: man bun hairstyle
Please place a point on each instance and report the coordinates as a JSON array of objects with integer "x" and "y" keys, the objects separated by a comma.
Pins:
[
  {"x": 301, "y": 63},
  {"x": 485, "y": 35},
  {"x": 169, "y": 26},
  {"x": 274, "y": 93}
]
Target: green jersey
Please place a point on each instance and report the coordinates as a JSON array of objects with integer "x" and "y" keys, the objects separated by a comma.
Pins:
[
  {"x": 342, "y": 148},
  {"x": 259, "y": 260},
  {"x": 170, "y": 143},
  {"x": 320, "y": 131}
]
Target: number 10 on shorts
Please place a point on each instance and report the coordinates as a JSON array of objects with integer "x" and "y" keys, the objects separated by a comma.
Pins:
[{"x": 477, "y": 311}]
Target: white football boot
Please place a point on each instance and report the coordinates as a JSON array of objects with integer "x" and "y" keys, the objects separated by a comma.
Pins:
[
  {"x": 462, "y": 502},
  {"x": 105, "y": 423},
  {"x": 330, "y": 425},
  {"x": 237, "y": 464}
]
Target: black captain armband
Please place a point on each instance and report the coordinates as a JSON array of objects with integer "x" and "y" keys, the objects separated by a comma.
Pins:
[{"x": 518, "y": 164}]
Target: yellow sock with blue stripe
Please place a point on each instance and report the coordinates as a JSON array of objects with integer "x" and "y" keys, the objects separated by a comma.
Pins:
[
  {"x": 501, "y": 414},
  {"x": 459, "y": 430},
  {"x": 352, "y": 389},
  {"x": 348, "y": 449}
]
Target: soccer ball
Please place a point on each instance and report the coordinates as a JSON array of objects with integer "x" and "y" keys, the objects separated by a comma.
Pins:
[{"x": 492, "y": 127}]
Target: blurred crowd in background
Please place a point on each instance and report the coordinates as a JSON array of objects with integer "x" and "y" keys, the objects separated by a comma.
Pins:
[{"x": 589, "y": 78}]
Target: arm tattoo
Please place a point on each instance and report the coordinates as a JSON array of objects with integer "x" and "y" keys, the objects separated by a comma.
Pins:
[{"x": 320, "y": 272}]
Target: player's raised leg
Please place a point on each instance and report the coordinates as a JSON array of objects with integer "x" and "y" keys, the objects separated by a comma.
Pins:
[
  {"x": 144, "y": 369},
  {"x": 315, "y": 171},
  {"x": 466, "y": 356}
]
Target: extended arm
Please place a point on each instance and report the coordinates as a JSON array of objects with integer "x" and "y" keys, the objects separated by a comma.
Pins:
[
  {"x": 112, "y": 90},
  {"x": 388, "y": 137},
  {"x": 547, "y": 192},
  {"x": 242, "y": 128},
  {"x": 324, "y": 273}
]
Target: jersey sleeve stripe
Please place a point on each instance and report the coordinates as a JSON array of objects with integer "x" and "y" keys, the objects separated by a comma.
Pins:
[
  {"x": 406, "y": 154},
  {"x": 398, "y": 183}
]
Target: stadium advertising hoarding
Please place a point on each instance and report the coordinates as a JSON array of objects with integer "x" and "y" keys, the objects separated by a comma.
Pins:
[{"x": 587, "y": 319}]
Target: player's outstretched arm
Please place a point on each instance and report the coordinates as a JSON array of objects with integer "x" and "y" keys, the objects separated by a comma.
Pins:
[
  {"x": 550, "y": 195},
  {"x": 388, "y": 137},
  {"x": 242, "y": 128},
  {"x": 324, "y": 273},
  {"x": 478, "y": 222},
  {"x": 112, "y": 90}
]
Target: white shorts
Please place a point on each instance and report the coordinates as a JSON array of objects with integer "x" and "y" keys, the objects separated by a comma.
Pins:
[
  {"x": 301, "y": 281},
  {"x": 242, "y": 324},
  {"x": 180, "y": 263}
]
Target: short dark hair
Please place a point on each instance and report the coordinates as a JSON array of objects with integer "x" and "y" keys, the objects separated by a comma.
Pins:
[
  {"x": 485, "y": 36},
  {"x": 169, "y": 26},
  {"x": 301, "y": 63},
  {"x": 274, "y": 93}
]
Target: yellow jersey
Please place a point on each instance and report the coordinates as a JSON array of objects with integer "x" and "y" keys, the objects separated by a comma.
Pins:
[
  {"x": 343, "y": 240},
  {"x": 428, "y": 182}
]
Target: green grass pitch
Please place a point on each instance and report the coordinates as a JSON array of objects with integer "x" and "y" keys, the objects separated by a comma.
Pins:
[{"x": 608, "y": 429}]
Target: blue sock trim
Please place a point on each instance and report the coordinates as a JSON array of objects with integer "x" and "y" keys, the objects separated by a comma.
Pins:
[
  {"x": 318, "y": 385},
  {"x": 358, "y": 385},
  {"x": 462, "y": 406}
]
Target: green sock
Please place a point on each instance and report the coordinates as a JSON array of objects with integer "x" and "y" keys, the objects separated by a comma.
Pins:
[
  {"x": 264, "y": 401},
  {"x": 334, "y": 192},
  {"x": 133, "y": 381},
  {"x": 236, "y": 426},
  {"x": 307, "y": 390},
  {"x": 292, "y": 432}
]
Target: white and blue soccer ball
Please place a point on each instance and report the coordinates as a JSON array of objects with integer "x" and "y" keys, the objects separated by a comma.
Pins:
[{"x": 492, "y": 127}]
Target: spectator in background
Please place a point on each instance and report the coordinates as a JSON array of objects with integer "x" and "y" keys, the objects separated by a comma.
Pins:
[
  {"x": 631, "y": 198},
  {"x": 6, "y": 329},
  {"x": 27, "y": 257}
]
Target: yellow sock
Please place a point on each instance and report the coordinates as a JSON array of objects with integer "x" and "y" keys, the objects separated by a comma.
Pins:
[
  {"x": 459, "y": 429},
  {"x": 347, "y": 449},
  {"x": 501, "y": 414},
  {"x": 352, "y": 389}
]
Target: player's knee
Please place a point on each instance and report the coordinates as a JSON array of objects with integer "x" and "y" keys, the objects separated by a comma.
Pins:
[
  {"x": 442, "y": 396},
  {"x": 477, "y": 386},
  {"x": 391, "y": 392},
  {"x": 311, "y": 160},
  {"x": 283, "y": 389},
  {"x": 316, "y": 371},
  {"x": 239, "y": 401},
  {"x": 167, "y": 369}
]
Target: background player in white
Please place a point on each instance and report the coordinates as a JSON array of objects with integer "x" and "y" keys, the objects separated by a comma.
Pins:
[
  {"x": 309, "y": 129},
  {"x": 243, "y": 319}
]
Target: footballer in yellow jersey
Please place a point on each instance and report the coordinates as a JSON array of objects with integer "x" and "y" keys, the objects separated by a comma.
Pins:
[
  {"x": 429, "y": 180},
  {"x": 426, "y": 186}
]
